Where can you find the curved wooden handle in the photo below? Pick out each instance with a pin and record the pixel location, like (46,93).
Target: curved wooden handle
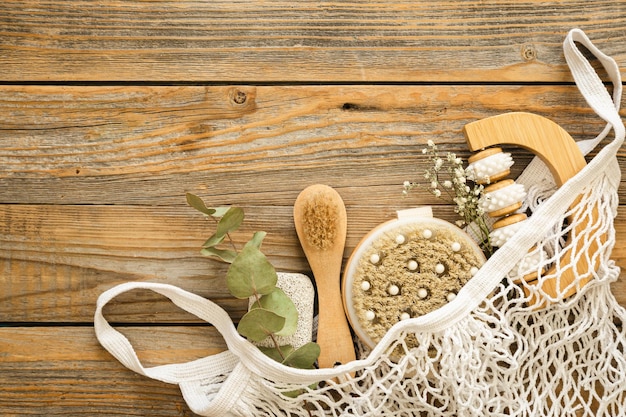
(558,150)
(542,136)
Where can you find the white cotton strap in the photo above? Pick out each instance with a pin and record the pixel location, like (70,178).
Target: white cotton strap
(594,92)
(240,351)
(120,347)
(592,87)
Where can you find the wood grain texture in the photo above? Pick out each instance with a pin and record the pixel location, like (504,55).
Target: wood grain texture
(49,371)
(111,110)
(148,145)
(93,178)
(311,41)
(55,270)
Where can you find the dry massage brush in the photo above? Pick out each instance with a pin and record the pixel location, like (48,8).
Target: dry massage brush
(559,152)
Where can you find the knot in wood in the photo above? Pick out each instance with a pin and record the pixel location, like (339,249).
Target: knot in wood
(529,52)
(238,97)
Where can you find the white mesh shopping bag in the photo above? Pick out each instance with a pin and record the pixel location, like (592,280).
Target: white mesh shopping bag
(489,352)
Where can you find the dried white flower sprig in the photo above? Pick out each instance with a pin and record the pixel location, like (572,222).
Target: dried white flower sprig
(448,179)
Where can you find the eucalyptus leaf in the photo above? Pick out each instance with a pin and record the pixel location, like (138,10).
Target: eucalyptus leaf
(278,302)
(214,240)
(304,357)
(225,255)
(197,203)
(273,353)
(298,392)
(294,394)
(220,211)
(230,221)
(259,323)
(250,273)
(257,239)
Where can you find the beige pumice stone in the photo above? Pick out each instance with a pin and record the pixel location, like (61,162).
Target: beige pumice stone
(300,289)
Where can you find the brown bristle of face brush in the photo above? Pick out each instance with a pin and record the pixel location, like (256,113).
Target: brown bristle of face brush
(320,220)
(319,231)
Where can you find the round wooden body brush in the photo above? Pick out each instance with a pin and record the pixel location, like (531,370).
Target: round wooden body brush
(321,223)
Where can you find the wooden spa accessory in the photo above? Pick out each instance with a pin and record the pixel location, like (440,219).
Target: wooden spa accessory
(321,223)
(558,150)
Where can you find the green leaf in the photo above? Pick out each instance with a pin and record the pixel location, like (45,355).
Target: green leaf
(298,392)
(223,254)
(278,302)
(230,221)
(220,211)
(304,357)
(214,240)
(273,353)
(197,203)
(250,273)
(259,323)
(257,239)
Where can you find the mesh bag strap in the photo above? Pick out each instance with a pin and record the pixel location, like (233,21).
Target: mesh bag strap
(591,86)
(121,348)
(595,94)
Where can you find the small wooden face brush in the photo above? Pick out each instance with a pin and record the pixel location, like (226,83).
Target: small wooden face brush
(321,222)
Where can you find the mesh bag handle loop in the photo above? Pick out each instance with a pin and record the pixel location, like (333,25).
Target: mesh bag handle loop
(120,347)
(598,98)
(592,87)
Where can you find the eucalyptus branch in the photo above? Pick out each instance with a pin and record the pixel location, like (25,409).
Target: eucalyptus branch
(251,275)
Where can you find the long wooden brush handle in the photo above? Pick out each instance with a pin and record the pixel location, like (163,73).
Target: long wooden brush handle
(333,334)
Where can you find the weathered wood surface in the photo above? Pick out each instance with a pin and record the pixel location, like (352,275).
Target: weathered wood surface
(64,371)
(73,173)
(257,41)
(111,111)
(148,145)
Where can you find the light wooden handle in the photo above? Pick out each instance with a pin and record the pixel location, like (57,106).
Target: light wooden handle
(319,213)
(540,135)
(333,336)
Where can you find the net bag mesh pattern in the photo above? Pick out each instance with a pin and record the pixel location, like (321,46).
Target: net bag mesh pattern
(490,351)
(505,358)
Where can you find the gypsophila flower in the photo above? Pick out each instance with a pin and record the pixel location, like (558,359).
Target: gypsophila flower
(449,179)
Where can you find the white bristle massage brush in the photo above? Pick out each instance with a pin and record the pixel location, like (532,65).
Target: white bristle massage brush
(489,165)
(560,153)
(502,198)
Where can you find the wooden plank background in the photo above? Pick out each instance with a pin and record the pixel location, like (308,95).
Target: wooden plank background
(110,111)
